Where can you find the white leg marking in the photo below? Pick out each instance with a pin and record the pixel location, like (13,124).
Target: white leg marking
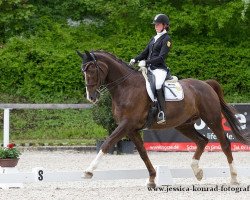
(233,172)
(93,165)
(95,162)
(197,171)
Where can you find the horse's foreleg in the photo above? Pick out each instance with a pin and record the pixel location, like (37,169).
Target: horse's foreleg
(116,135)
(93,165)
(136,138)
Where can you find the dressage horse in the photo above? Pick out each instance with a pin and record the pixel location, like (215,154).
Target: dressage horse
(131,104)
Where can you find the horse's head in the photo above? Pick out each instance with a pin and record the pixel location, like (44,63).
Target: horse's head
(95,73)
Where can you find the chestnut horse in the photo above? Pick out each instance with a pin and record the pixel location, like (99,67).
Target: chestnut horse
(131,104)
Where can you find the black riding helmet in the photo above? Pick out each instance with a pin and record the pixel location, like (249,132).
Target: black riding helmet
(161,18)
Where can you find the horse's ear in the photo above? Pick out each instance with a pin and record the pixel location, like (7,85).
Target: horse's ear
(79,53)
(89,57)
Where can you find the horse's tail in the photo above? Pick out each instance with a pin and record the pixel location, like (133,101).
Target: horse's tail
(229,113)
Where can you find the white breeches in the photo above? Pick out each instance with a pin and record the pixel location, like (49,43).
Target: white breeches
(160,76)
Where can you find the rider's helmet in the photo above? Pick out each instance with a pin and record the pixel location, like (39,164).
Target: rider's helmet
(161,18)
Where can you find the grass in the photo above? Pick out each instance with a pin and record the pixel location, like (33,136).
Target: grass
(57,127)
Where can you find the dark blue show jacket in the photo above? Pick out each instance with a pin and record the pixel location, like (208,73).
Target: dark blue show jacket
(155,53)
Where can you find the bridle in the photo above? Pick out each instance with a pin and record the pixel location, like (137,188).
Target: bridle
(98,68)
(102,86)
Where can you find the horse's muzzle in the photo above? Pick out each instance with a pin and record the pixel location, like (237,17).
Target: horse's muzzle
(94,97)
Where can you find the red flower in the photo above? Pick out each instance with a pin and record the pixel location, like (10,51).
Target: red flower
(11,145)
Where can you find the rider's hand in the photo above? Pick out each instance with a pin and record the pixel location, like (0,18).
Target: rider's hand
(142,63)
(132,62)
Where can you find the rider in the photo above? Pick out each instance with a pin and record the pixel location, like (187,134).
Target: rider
(153,57)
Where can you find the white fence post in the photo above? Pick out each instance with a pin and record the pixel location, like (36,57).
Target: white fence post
(6,127)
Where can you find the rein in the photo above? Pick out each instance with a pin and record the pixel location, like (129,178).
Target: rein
(116,82)
(103,87)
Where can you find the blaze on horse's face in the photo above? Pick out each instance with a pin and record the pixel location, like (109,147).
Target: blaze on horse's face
(90,73)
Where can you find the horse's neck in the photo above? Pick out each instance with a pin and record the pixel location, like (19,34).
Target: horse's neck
(119,78)
(116,70)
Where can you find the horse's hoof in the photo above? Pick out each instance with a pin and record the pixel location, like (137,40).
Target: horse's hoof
(234,182)
(87,175)
(150,184)
(199,174)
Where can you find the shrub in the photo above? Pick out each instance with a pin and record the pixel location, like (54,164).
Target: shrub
(102,113)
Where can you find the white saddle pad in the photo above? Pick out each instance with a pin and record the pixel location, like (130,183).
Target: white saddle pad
(173,91)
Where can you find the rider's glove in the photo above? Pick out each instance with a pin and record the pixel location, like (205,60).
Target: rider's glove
(132,62)
(142,63)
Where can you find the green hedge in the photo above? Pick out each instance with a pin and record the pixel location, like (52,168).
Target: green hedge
(229,66)
(39,63)
(40,71)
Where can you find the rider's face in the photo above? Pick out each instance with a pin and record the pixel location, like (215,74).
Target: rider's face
(159,27)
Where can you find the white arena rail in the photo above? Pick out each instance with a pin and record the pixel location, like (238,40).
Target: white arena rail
(11,177)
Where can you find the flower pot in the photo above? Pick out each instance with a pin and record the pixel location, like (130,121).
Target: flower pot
(8,162)
(125,146)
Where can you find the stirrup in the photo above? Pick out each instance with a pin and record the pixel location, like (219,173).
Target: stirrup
(161,118)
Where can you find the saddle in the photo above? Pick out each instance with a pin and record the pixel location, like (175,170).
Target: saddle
(172,91)
(171,87)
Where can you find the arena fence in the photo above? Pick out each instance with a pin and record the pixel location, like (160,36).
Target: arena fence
(8,107)
(12,178)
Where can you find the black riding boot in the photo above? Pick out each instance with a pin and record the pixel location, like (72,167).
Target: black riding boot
(161,101)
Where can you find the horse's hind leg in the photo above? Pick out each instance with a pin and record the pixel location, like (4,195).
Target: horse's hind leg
(217,129)
(211,115)
(201,141)
(136,138)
